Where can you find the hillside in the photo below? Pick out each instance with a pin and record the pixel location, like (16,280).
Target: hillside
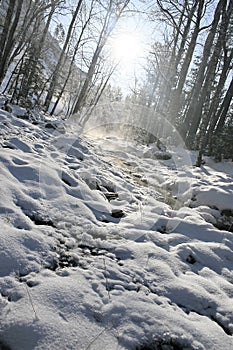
(41,61)
(107,244)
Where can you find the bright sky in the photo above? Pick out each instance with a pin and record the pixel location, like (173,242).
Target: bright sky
(129,46)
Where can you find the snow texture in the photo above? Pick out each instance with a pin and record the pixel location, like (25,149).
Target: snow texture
(105,246)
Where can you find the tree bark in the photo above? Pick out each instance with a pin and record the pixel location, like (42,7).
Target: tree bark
(222,114)
(107,28)
(71,64)
(177,94)
(8,41)
(35,53)
(62,55)
(194,110)
(212,115)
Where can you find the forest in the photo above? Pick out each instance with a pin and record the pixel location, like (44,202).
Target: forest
(55,53)
(116,175)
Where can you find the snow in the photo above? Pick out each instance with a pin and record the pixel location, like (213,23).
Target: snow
(105,246)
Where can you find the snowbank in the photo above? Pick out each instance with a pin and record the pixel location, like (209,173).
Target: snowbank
(104,248)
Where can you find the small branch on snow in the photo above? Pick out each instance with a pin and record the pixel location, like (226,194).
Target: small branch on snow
(106,278)
(31,302)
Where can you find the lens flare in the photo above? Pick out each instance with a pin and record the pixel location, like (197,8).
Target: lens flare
(126,47)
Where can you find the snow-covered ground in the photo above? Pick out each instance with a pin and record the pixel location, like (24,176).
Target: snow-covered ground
(104,246)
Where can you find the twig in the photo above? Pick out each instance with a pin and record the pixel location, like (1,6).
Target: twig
(141,210)
(97,336)
(31,302)
(106,278)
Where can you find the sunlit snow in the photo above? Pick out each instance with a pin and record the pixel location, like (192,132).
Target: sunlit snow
(105,246)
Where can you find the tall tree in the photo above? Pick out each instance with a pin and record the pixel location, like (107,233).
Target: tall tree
(54,79)
(8,34)
(213,116)
(176,97)
(222,113)
(34,53)
(114,10)
(73,57)
(195,108)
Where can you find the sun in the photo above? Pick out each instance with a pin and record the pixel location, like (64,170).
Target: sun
(126,47)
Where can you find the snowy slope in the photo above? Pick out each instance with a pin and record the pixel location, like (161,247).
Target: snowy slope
(103,246)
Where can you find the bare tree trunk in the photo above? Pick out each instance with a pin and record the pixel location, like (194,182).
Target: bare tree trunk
(103,85)
(187,27)
(177,94)
(222,114)
(62,55)
(108,26)
(194,107)
(212,115)
(8,40)
(37,43)
(6,25)
(181,34)
(206,91)
(71,65)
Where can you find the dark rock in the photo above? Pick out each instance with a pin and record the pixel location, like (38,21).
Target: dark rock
(191,259)
(4,346)
(162,155)
(39,220)
(227,212)
(50,126)
(110,195)
(58,127)
(117,213)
